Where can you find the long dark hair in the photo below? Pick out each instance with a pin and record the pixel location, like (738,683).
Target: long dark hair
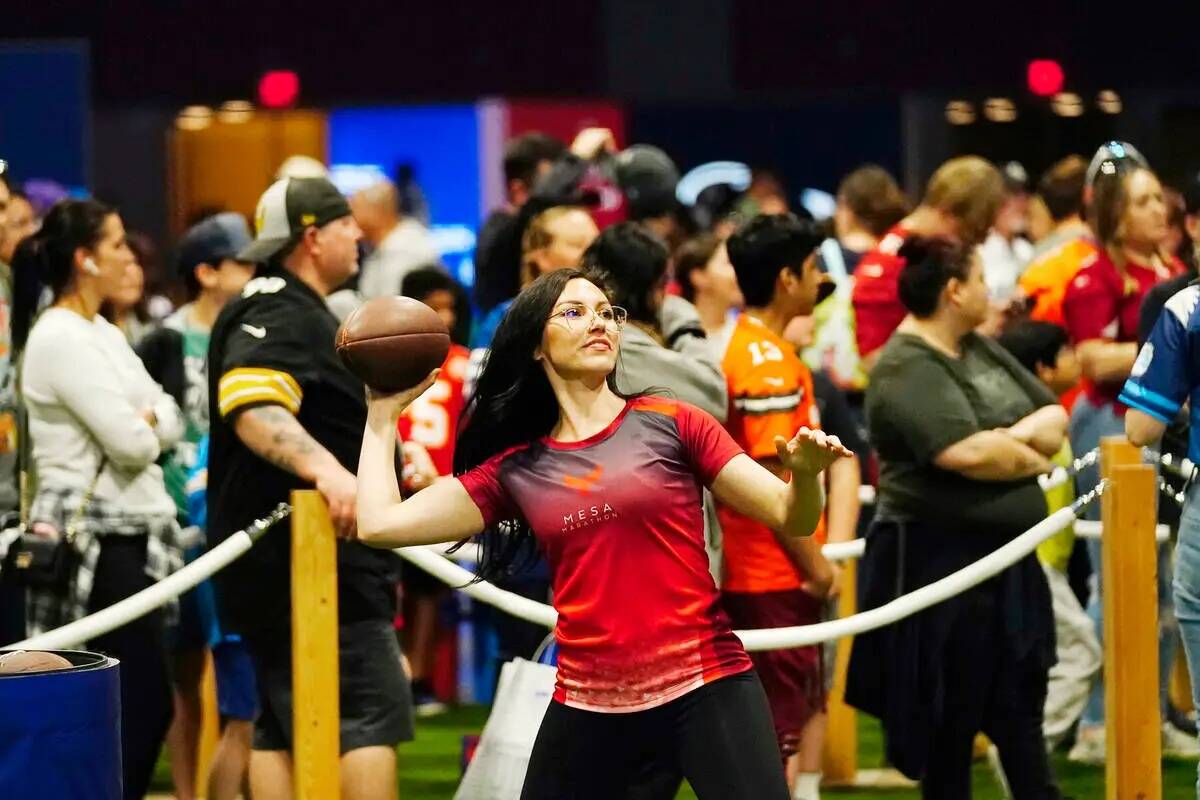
(513,404)
(46,260)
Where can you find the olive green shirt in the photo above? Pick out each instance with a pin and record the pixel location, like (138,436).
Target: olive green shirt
(919,402)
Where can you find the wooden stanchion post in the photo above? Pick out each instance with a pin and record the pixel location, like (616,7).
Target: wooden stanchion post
(315,751)
(1130,566)
(1181,683)
(840,759)
(210,726)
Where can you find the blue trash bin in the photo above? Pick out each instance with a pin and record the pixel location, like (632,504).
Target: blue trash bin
(60,731)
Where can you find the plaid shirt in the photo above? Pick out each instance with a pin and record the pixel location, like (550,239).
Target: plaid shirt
(45,611)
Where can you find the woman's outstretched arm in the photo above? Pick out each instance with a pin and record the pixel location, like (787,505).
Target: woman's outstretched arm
(792,507)
(442,512)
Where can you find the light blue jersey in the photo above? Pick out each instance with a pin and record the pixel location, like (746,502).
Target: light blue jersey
(1167,371)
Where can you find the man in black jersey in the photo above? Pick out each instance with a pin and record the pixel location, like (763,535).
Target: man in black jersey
(286,415)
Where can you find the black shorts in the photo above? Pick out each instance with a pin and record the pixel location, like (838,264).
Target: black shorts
(719,737)
(375,698)
(793,677)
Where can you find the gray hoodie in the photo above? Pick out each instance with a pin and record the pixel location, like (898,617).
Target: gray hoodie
(688,370)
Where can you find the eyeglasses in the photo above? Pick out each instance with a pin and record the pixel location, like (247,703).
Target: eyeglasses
(578,318)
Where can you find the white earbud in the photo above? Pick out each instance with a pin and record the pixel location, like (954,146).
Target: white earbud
(89,266)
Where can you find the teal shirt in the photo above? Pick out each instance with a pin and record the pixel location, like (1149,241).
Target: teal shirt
(181,460)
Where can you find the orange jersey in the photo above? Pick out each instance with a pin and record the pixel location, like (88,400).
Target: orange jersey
(432,419)
(770,394)
(1046,279)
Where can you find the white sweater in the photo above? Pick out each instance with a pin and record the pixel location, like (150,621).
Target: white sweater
(86,392)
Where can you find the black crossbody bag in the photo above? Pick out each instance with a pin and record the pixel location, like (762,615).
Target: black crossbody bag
(47,563)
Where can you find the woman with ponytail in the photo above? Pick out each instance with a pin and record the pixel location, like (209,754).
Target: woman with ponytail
(97,424)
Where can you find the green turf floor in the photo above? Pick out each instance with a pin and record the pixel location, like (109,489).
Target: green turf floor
(429,766)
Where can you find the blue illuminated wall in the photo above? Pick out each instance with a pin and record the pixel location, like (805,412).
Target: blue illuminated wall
(441,143)
(45,112)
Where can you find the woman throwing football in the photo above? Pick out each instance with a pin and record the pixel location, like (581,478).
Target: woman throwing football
(650,674)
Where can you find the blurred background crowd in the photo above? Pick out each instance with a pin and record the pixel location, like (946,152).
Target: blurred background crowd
(510,142)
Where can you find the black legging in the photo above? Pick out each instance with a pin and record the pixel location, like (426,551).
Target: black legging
(719,737)
(146,703)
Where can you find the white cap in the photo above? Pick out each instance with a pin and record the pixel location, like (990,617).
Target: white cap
(301,167)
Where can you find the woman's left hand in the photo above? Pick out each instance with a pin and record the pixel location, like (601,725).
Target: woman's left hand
(809,451)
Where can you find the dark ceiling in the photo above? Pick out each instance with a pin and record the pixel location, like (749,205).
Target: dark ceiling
(174,51)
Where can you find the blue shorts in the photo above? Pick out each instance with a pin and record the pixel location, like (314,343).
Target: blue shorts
(237,691)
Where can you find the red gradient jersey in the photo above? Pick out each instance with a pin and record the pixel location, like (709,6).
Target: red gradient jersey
(1101,303)
(432,419)
(618,516)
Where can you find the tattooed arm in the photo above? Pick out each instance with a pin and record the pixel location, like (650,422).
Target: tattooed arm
(275,435)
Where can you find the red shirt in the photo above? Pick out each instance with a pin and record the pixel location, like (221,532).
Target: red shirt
(770,394)
(618,517)
(1099,305)
(432,419)
(876,295)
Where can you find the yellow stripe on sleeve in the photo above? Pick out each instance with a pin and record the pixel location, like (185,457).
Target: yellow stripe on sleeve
(254,385)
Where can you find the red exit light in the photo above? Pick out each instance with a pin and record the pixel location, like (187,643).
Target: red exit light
(278,89)
(1045,77)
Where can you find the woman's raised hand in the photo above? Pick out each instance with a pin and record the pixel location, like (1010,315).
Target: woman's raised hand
(810,451)
(395,404)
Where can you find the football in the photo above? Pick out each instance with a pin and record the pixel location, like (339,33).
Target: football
(31,661)
(392,343)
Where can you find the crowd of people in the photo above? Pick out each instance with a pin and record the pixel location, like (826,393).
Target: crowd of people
(652,424)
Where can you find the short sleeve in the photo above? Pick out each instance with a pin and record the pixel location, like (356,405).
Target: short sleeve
(707,445)
(923,406)
(487,492)
(1160,380)
(1089,307)
(266,360)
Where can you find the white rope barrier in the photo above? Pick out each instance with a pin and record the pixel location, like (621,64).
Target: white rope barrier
(430,560)
(779,638)
(844,551)
(1093,529)
(160,593)
(834,551)
(918,600)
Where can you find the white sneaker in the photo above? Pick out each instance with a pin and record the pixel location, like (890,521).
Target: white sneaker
(430,708)
(1177,744)
(1090,748)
